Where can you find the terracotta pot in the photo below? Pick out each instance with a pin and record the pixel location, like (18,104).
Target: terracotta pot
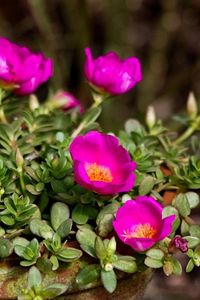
(13,279)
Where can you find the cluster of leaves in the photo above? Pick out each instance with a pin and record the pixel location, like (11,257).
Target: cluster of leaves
(48,221)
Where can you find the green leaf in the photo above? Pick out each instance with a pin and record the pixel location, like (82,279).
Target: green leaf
(155,254)
(53,290)
(69,254)
(34,277)
(44,265)
(20,241)
(31,189)
(146,185)
(169,211)
(193,199)
(80,214)
(183,205)
(184,228)
(192,241)
(127,266)
(111,247)
(100,248)
(88,274)
(64,228)
(59,213)
(58,186)
(55,262)
(190,266)
(86,236)
(177,268)
(108,209)
(41,228)
(153,263)
(109,280)
(8,220)
(6,247)
(105,225)
(195,231)
(89,250)
(27,263)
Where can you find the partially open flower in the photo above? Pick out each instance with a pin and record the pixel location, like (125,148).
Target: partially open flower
(22,70)
(65,100)
(139,223)
(111,75)
(101,164)
(178,243)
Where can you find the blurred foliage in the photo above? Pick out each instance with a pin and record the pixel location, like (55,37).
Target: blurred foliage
(164,34)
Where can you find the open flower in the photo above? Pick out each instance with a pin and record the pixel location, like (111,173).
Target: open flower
(101,164)
(65,100)
(139,223)
(111,75)
(21,70)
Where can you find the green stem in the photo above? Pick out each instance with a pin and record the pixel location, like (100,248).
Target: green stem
(22,184)
(78,129)
(98,100)
(194,126)
(166,186)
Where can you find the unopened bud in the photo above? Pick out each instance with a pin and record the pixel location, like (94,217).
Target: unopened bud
(33,102)
(192,106)
(178,244)
(108,267)
(150,116)
(19,159)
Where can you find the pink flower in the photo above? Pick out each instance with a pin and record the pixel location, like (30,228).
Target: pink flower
(109,74)
(66,101)
(101,164)
(22,70)
(139,223)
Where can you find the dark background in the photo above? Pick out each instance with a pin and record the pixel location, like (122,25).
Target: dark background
(164,34)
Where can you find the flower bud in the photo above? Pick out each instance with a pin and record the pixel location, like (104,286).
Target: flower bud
(33,102)
(178,243)
(19,159)
(150,116)
(64,100)
(108,267)
(192,106)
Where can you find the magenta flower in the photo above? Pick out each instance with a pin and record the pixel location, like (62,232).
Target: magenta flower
(139,223)
(21,70)
(101,164)
(111,75)
(66,101)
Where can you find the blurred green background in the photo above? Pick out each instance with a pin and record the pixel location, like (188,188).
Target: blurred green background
(163,34)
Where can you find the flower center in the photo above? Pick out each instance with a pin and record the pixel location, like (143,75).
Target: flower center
(98,173)
(140,231)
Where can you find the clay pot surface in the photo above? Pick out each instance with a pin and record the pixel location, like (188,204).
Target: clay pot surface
(13,279)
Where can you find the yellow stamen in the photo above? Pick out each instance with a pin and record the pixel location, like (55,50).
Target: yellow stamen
(98,173)
(140,231)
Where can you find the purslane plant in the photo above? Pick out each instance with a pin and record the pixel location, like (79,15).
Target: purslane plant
(68,191)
